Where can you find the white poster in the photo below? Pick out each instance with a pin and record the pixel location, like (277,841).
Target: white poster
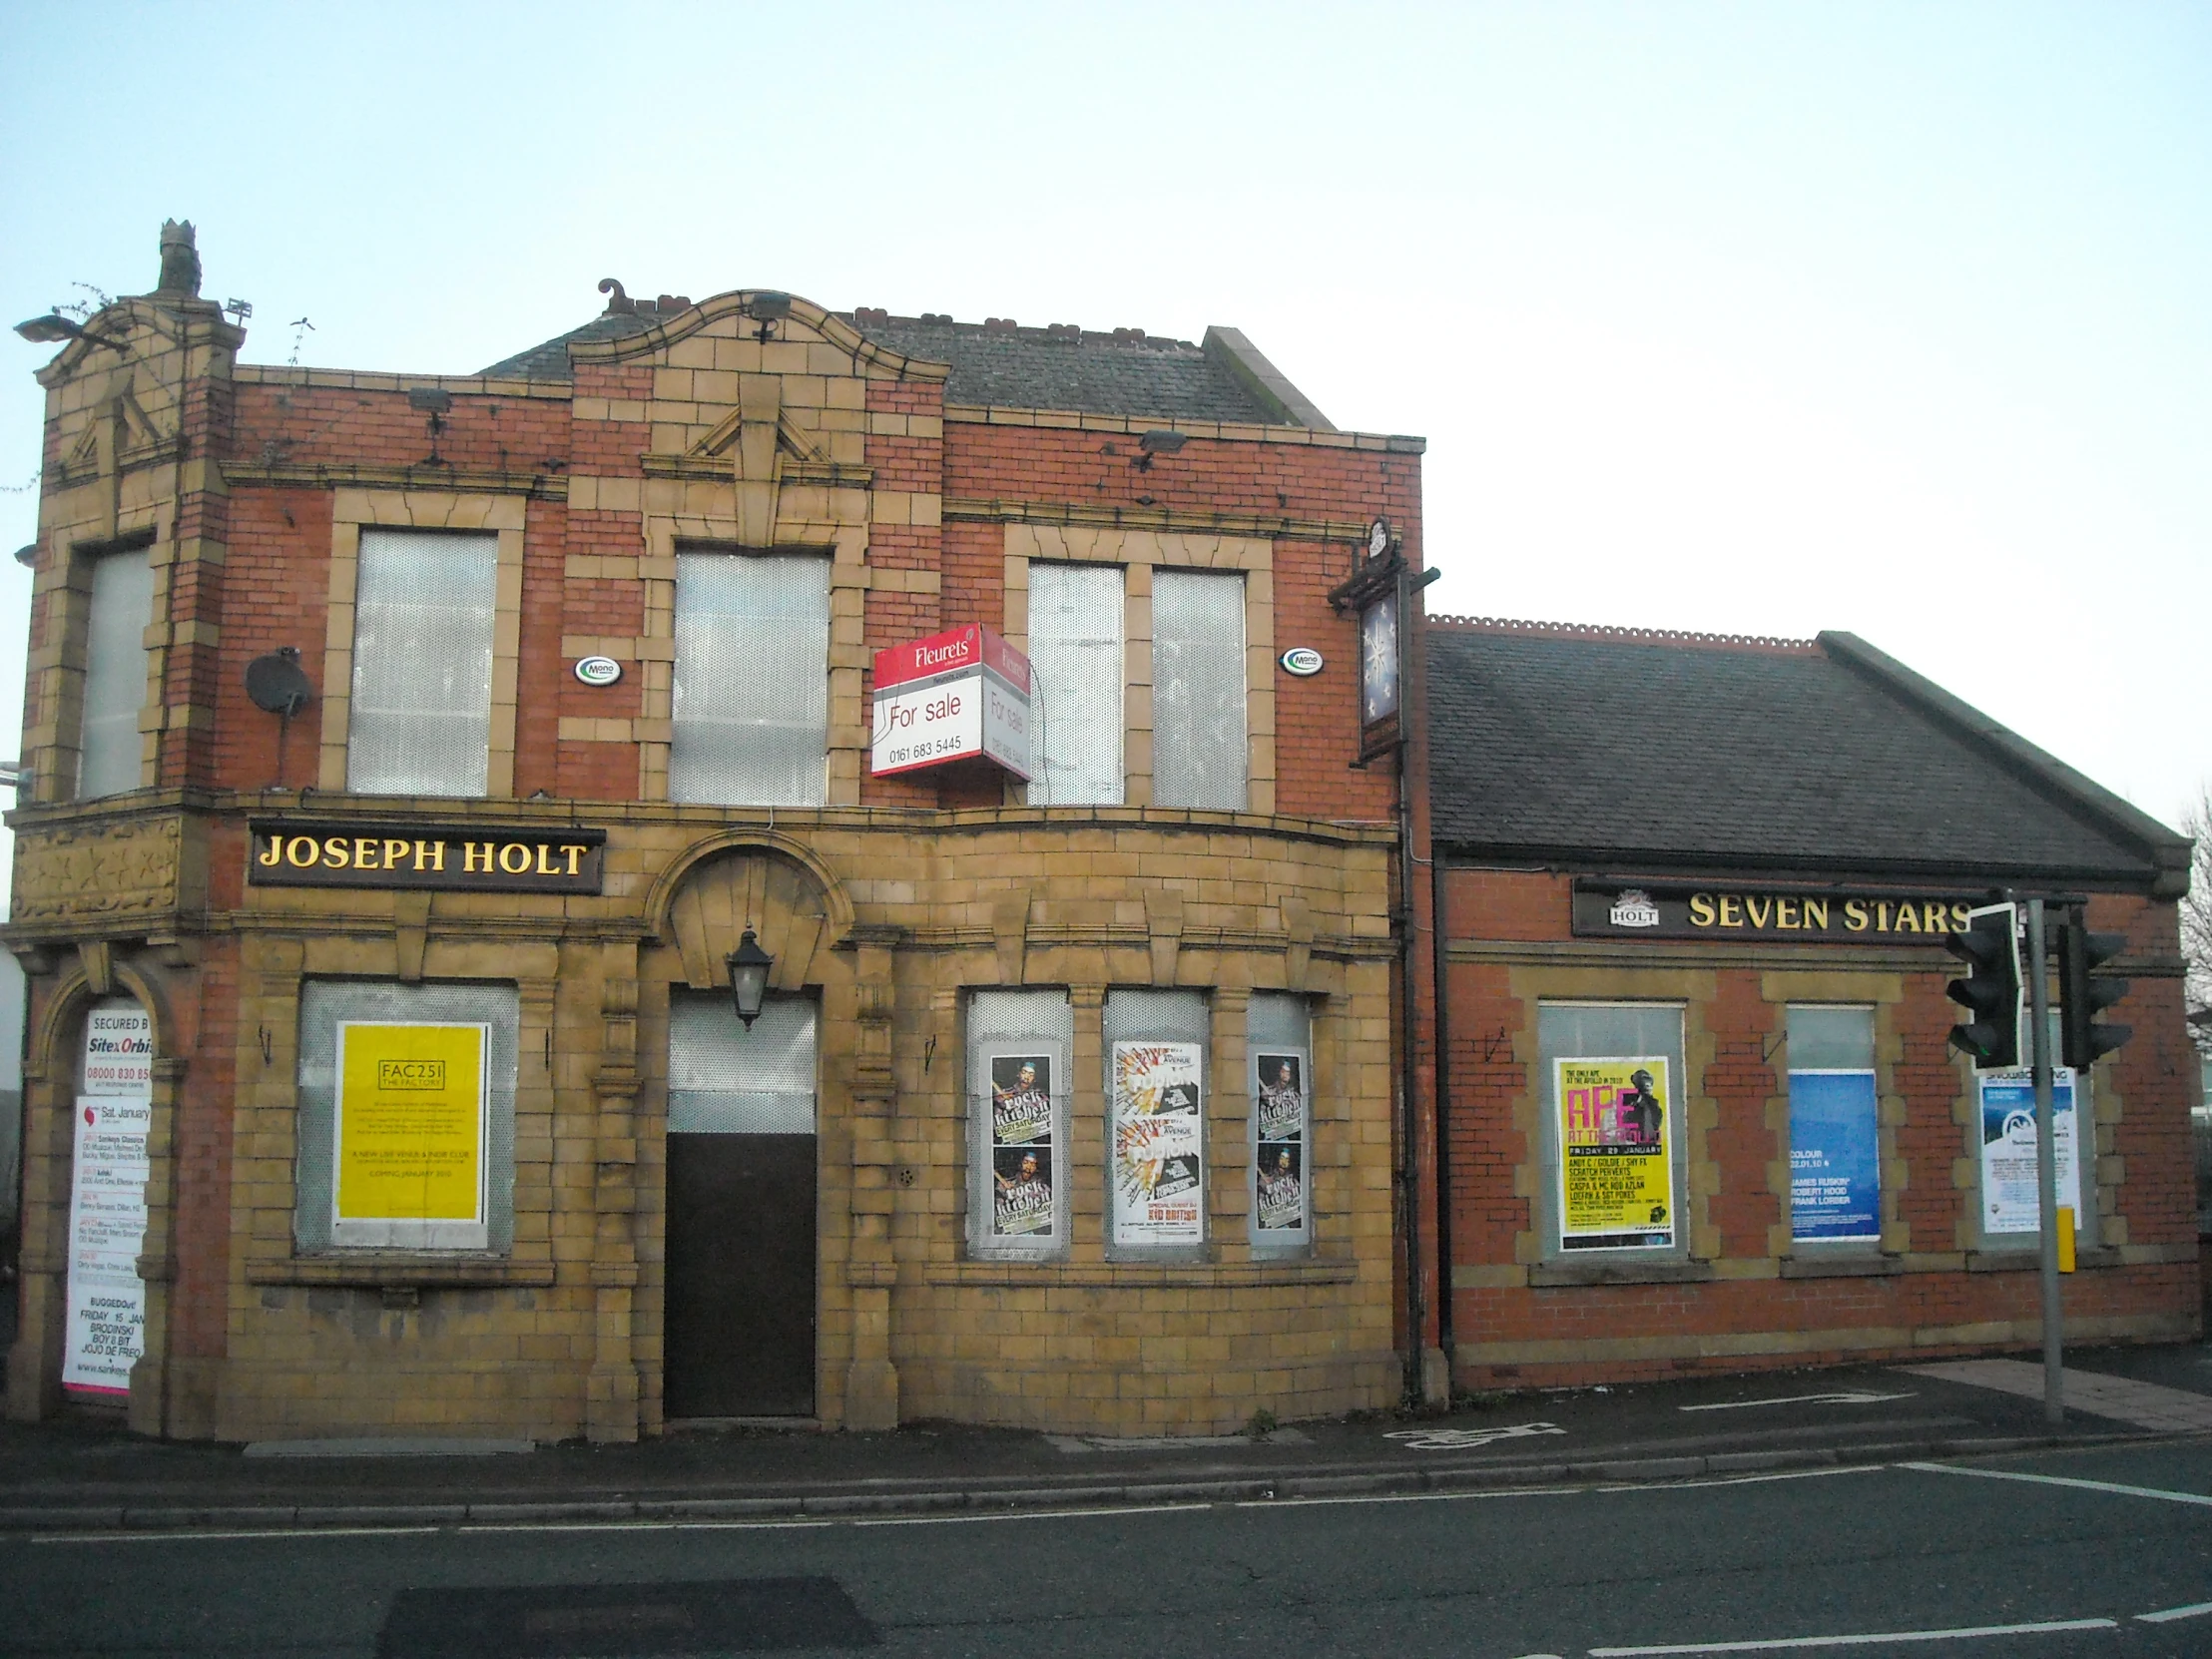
(106,1202)
(2009,1201)
(1159,1153)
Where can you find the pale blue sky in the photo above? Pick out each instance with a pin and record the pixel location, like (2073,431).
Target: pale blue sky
(1761,318)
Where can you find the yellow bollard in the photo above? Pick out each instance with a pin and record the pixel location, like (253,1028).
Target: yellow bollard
(2065,1238)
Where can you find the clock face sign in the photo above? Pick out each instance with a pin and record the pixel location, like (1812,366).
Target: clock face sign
(1378,538)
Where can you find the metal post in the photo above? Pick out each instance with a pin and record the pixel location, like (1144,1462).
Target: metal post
(2046,1165)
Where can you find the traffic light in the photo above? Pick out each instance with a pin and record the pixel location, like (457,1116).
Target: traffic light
(1991,993)
(2082,998)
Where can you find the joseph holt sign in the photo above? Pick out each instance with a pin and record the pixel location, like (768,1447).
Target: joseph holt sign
(954,695)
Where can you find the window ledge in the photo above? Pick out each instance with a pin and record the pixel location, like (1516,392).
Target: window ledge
(1562,1273)
(2029,1260)
(381,1269)
(1138,1274)
(1842,1265)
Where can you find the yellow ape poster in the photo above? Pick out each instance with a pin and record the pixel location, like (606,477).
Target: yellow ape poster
(410,1123)
(1616,1190)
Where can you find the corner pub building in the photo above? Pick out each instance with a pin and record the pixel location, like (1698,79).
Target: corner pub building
(473,926)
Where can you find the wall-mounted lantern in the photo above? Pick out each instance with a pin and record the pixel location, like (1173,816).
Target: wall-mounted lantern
(748,969)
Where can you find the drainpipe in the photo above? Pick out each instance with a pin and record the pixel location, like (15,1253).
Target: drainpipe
(1438,936)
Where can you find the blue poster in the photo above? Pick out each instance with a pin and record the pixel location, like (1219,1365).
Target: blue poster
(1834,1155)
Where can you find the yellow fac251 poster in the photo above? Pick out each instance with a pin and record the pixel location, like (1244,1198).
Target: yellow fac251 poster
(1616,1189)
(410,1123)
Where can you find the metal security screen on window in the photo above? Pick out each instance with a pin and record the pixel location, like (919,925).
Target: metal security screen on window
(325,1005)
(420,718)
(752,698)
(1018,1045)
(1279,1051)
(726,1080)
(1198,690)
(1075,655)
(1835,1125)
(1613,1105)
(110,760)
(1157,1056)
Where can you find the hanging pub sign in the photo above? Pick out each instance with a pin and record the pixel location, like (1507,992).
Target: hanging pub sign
(957,695)
(484,857)
(1376,593)
(1609,909)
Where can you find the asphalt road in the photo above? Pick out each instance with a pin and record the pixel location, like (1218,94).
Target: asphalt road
(1769,1561)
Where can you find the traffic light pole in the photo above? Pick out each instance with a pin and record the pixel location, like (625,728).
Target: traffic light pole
(2046,1165)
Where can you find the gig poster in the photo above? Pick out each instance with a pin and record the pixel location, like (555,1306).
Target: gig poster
(1279,1167)
(1021,1145)
(410,1123)
(1834,1155)
(1616,1183)
(2010,1198)
(1158,1128)
(105,1305)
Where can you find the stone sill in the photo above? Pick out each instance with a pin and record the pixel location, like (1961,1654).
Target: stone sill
(1842,1265)
(1556,1275)
(1141,1275)
(396,1270)
(2031,1261)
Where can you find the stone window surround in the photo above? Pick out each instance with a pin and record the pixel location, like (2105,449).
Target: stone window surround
(1138,552)
(51,748)
(354,510)
(846,546)
(273,1257)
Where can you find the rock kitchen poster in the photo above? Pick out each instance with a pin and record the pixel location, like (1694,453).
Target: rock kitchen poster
(1021,1145)
(1157,1156)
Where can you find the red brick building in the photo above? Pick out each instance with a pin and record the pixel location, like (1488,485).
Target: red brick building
(417,760)
(1728,865)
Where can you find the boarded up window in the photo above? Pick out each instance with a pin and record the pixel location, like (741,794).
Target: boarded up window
(751,698)
(420,718)
(111,759)
(1198,690)
(1075,655)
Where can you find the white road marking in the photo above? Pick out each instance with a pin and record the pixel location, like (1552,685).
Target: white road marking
(1405,1497)
(1459,1440)
(1738,1479)
(2167,1615)
(1031,1515)
(1856,1398)
(2065,1480)
(2145,1404)
(203,1537)
(1782,1644)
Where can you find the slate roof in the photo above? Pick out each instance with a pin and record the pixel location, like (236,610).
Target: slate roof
(1655,750)
(1117,373)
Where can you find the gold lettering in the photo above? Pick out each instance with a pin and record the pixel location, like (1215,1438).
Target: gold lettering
(337,853)
(1855,915)
(274,856)
(1760,908)
(1933,917)
(1909,918)
(471,853)
(1701,909)
(1958,918)
(366,856)
(574,853)
(1730,916)
(545,868)
(1785,912)
(433,851)
(292,851)
(522,869)
(1882,917)
(1816,914)
(393,853)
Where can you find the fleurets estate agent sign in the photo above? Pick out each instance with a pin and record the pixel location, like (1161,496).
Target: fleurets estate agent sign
(1611,908)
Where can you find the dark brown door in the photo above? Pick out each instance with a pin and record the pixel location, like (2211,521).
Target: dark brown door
(739,1330)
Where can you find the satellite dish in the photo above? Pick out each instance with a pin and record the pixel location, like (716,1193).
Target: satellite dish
(278,683)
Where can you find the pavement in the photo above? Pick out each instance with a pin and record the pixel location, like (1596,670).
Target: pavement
(79,1476)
